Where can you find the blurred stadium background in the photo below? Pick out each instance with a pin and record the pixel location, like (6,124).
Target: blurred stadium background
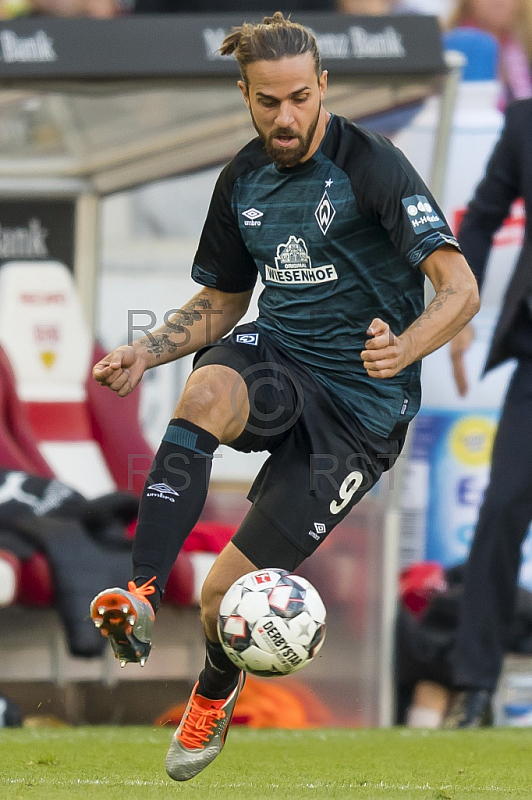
(112,133)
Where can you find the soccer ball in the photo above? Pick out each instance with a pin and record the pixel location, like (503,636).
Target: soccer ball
(271,622)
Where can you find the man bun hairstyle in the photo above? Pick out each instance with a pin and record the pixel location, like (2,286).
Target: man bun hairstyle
(270,40)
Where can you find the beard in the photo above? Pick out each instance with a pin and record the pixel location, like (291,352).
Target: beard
(288,157)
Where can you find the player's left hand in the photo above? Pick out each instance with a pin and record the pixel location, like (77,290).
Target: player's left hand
(385,353)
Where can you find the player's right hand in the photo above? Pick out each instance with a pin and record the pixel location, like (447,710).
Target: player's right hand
(459,345)
(121,370)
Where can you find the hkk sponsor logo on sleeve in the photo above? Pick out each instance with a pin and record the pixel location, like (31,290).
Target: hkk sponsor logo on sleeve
(421,214)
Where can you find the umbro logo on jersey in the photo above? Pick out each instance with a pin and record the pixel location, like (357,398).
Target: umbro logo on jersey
(325,213)
(163,491)
(252,217)
(421,214)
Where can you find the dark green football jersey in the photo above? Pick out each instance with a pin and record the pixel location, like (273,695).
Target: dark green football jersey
(337,241)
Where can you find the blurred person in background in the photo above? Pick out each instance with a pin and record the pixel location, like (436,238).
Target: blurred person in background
(375,8)
(225,6)
(437,8)
(490,583)
(510,21)
(370,7)
(98,9)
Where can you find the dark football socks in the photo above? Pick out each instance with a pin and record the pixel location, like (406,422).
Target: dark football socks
(172,501)
(219,676)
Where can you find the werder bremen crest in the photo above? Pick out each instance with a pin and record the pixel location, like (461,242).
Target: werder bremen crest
(293,265)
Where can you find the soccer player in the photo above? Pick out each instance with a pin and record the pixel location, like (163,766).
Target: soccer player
(342,232)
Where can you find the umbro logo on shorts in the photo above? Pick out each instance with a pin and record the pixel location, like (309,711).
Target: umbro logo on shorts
(247,338)
(320,530)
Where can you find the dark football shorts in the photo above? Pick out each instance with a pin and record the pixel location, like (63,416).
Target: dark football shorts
(322,462)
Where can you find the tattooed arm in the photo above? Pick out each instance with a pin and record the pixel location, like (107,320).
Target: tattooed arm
(454,304)
(208,316)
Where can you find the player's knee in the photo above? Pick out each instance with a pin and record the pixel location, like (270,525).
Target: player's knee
(213,399)
(199,398)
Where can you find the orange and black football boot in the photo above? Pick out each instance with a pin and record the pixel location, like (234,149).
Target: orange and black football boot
(126,617)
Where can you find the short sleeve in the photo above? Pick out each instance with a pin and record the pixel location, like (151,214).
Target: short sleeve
(396,195)
(222,260)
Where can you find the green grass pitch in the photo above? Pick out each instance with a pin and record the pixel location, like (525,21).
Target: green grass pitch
(118,763)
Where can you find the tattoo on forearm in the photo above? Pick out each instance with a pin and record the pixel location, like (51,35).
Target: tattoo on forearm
(159,343)
(436,304)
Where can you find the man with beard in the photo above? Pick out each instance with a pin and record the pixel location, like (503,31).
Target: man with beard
(342,232)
